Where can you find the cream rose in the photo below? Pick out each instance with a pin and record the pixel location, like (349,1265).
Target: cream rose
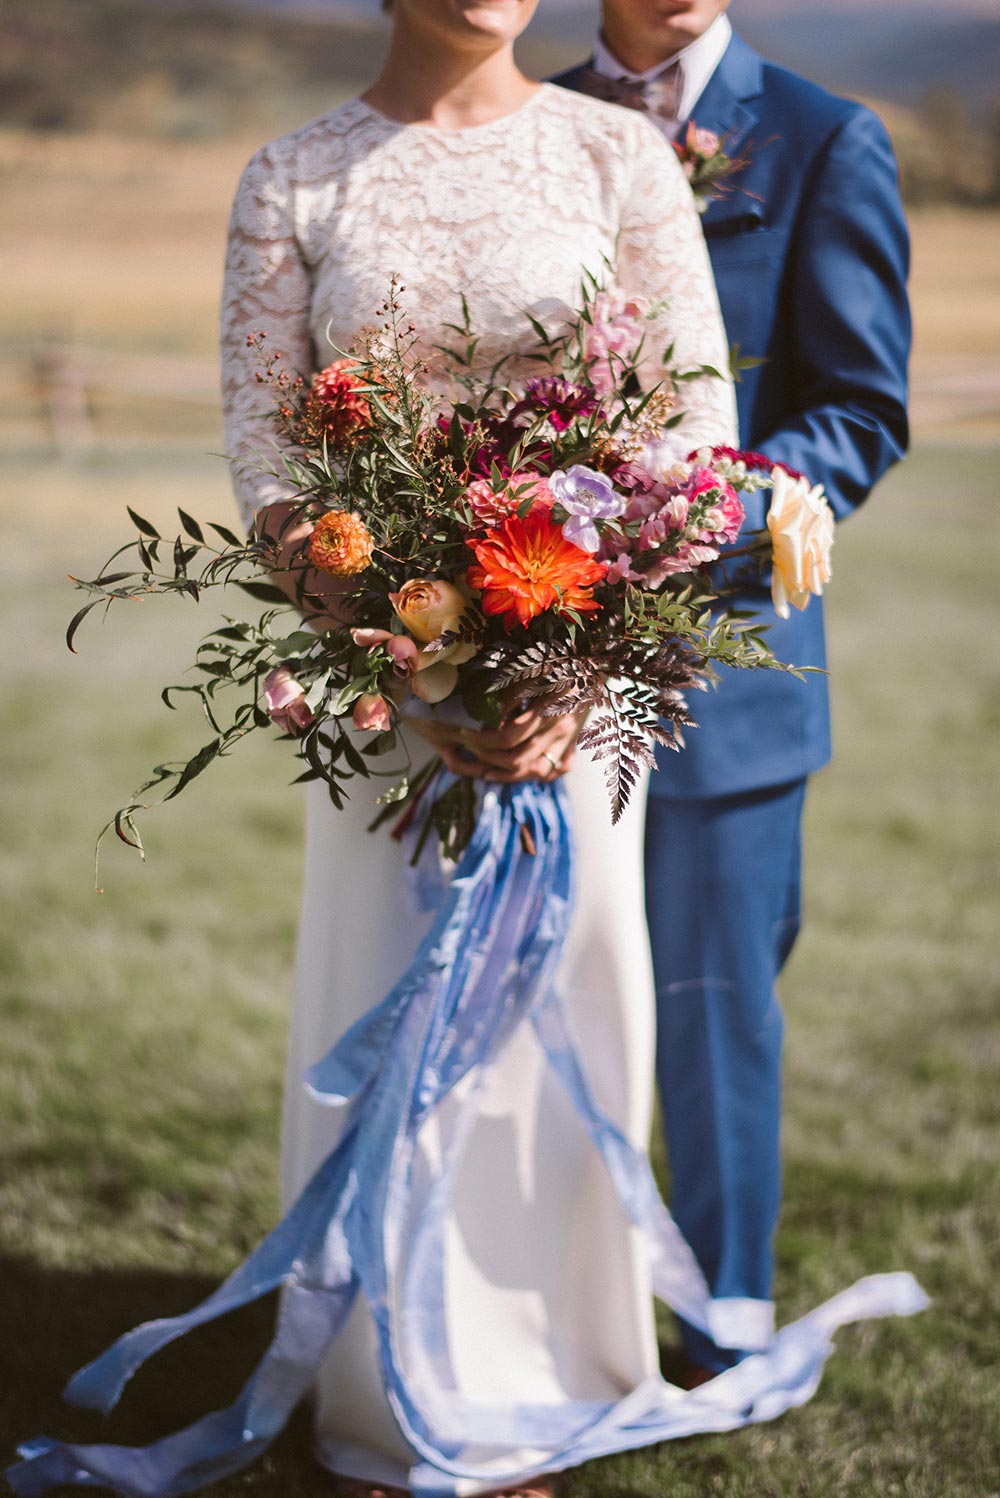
(800,522)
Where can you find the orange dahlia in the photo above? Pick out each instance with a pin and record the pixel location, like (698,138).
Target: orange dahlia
(526,566)
(340,544)
(336,405)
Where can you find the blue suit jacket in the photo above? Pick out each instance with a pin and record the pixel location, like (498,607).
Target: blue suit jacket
(810,252)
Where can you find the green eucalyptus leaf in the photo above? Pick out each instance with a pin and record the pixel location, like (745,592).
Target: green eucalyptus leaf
(264,592)
(195,766)
(191,525)
(77,620)
(230,537)
(317,692)
(140,524)
(299,642)
(341,700)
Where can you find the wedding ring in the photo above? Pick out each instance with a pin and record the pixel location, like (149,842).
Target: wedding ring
(553,762)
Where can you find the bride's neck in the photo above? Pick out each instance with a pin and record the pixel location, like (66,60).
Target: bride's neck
(423,82)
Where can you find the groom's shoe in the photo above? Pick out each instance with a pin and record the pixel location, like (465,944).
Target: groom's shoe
(682,1371)
(693,1375)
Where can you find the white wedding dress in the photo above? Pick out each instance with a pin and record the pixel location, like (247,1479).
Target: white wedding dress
(547,1293)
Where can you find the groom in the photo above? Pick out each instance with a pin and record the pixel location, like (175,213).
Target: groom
(809,248)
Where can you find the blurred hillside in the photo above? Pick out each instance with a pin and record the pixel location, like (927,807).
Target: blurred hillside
(902,52)
(174,69)
(187,71)
(899,51)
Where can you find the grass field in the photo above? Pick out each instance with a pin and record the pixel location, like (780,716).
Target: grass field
(143,1031)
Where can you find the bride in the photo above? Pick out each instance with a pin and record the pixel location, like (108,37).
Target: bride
(458,175)
(533,1333)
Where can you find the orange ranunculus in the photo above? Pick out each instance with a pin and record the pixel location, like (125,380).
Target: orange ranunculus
(527,566)
(337,405)
(340,544)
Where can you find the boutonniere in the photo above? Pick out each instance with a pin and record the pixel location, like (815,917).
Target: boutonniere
(706,163)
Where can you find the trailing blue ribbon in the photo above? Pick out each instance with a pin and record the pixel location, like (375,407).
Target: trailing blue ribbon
(487,964)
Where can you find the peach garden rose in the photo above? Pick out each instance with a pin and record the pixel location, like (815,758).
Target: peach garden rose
(430,608)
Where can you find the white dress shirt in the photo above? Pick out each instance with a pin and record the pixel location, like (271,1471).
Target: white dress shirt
(698,61)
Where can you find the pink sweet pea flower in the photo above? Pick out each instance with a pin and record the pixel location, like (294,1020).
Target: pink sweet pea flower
(612,337)
(671,516)
(685,560)
(285,701)
(620,570)
(371,713)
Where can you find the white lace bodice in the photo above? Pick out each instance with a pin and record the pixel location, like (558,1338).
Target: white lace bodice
(509,213)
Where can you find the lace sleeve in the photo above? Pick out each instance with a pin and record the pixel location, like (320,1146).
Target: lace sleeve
(662,254)
(267,288)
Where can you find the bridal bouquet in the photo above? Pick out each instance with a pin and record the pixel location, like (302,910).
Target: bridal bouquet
(545,545)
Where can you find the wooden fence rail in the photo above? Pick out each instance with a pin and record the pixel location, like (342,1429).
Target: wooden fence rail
(66,380)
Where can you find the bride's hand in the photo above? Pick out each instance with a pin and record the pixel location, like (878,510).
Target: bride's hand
(528,747)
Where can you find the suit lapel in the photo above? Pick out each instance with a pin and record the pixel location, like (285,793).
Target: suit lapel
(726,102)
(728,106)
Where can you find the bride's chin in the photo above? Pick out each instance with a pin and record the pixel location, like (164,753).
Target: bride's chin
(500,19)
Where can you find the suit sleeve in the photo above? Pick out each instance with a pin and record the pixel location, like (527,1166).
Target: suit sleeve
(850,319)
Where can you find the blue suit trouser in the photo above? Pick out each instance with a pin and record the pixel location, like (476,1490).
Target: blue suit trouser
(723,880)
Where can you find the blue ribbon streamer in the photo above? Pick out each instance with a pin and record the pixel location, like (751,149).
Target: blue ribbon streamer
(487,963)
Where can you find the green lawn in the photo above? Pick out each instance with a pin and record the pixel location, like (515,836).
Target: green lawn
(142,1049)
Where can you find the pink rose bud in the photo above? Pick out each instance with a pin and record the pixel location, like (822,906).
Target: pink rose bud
(371,713)
(401,648)
(284,701)
(369,638)
(705,142)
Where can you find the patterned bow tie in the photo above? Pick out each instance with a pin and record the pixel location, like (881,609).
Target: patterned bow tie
(660,95)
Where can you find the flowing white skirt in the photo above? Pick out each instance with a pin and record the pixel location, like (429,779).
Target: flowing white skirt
(547,1290)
